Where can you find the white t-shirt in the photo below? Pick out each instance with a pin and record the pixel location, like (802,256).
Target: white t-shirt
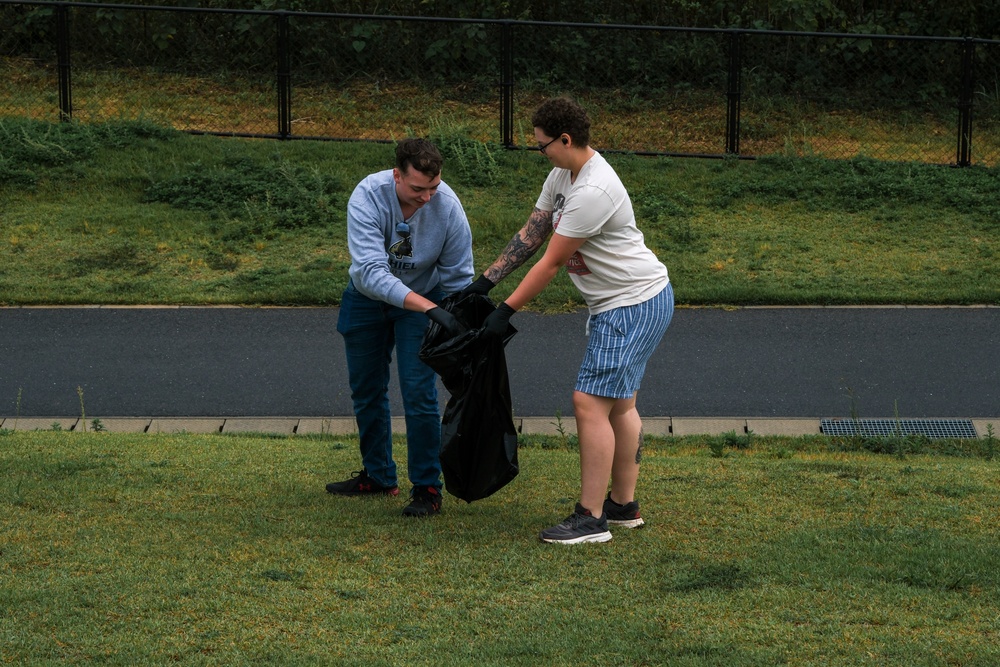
(613,268)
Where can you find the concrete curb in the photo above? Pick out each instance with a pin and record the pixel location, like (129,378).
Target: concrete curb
(287,426)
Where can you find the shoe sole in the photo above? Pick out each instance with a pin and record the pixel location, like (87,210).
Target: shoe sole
(627,523)
(386,492)
(583,539)
(421,515)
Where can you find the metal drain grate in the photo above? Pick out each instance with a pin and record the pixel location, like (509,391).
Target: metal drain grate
(932,428)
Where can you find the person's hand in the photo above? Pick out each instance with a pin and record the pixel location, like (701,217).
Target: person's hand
(482,285)
(496,322)
(447,321)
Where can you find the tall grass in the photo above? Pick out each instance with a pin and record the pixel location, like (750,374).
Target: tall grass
(143,549)
(129,212)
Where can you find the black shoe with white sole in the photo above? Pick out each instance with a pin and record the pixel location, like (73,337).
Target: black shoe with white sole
(578,528)
(625,516)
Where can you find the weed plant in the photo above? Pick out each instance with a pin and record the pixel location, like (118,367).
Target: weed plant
(127,212)
(470,161)
(191,550)
(991,443)
(718,445)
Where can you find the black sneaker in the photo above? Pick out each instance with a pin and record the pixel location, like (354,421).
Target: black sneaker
(626,516)
(579,527)
(360,484)
(424,501)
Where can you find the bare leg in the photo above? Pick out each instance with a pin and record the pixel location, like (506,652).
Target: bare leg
(627,426)
(597,448)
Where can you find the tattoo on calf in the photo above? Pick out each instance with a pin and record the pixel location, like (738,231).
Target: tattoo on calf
(638,451)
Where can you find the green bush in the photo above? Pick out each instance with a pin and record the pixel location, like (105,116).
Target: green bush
(29,147)
(255,196)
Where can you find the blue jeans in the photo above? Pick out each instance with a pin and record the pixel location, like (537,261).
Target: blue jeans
(371,329)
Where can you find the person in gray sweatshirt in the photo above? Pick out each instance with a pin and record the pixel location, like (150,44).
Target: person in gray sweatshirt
(410,246)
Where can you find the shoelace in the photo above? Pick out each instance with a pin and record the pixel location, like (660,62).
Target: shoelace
(427,496)
(576,519)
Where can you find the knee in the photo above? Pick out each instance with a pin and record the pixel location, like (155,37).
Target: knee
(581,402)
(420,398)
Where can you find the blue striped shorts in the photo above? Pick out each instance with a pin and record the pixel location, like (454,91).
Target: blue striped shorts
(621,342)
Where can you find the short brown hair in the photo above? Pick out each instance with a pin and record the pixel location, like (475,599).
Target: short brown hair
(561,115)
(420,154)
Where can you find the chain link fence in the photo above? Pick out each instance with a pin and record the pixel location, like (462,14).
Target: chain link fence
(878,98)
(650,89)
(382,78)
(647,90)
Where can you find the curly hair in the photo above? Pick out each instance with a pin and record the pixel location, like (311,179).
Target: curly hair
(420,154)
(561,115)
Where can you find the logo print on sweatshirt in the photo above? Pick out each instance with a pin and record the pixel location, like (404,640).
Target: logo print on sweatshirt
(403,247)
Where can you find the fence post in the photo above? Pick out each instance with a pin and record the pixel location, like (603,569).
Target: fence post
(733,94)
(63,63)
(284,79)
(507,84)
(965,97)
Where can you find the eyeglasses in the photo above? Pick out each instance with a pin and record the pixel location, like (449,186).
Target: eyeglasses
(542,147)
(403,247)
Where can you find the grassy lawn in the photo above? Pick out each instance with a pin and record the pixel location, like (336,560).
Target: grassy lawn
(132,213)
(156,549)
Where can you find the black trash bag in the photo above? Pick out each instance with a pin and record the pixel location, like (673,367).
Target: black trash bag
(478,438)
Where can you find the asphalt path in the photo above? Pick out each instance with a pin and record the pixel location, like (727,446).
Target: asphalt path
(912,362)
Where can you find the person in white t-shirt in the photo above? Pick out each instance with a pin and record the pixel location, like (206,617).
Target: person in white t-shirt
(586,210)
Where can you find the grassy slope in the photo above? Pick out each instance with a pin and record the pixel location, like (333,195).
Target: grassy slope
(129,213)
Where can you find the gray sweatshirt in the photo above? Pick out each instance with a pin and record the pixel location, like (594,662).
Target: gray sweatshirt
(440,237)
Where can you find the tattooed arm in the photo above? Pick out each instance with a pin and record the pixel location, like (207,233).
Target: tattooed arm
(523,245)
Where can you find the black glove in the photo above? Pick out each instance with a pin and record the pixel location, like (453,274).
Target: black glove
(496,322)
(482,285)
(447,321)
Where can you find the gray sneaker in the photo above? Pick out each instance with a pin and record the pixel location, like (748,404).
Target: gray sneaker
(626,516)
(579,527)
